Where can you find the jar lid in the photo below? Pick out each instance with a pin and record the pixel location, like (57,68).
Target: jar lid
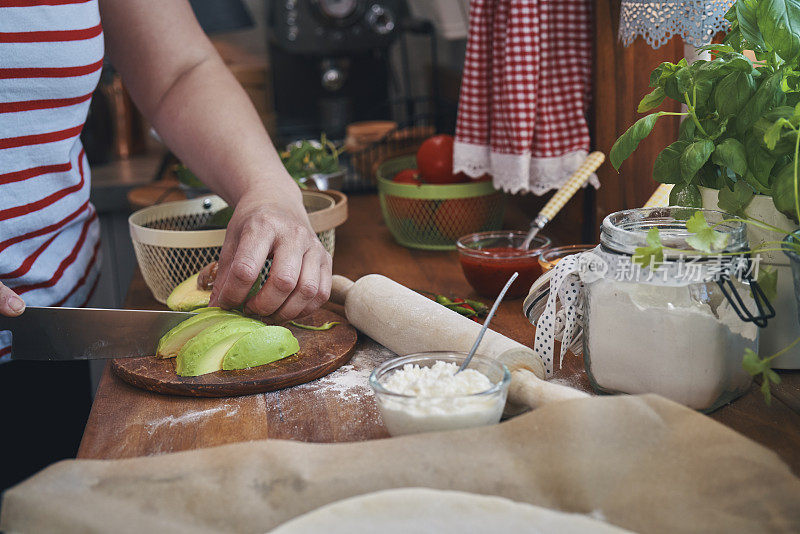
(624,231)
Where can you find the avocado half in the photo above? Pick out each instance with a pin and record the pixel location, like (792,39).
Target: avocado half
(187,296)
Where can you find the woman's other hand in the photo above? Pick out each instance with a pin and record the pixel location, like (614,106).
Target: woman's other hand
(11,304)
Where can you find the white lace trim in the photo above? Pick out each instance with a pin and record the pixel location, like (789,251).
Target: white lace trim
(696,21)
(518,173)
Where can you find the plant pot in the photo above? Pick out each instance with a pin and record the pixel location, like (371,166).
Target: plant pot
(785,326)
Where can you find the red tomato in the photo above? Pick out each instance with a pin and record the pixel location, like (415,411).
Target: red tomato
(407,176)
(435,160)
(461,216)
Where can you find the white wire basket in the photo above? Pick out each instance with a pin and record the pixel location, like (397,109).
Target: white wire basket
(170,247)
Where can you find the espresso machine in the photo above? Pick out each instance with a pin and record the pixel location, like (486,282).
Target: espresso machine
(330,63)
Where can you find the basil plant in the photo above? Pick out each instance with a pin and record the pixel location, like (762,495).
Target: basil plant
(741,131)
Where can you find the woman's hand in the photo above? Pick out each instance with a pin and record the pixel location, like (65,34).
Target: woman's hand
(299,279)
(11,304)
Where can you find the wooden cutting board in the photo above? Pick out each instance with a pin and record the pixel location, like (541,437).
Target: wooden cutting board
(320,354)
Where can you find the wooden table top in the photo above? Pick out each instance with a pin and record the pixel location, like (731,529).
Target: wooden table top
(127,422)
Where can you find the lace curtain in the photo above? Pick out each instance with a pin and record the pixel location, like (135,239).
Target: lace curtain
(656,21)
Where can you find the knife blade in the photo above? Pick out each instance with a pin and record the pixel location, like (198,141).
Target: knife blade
(42,333)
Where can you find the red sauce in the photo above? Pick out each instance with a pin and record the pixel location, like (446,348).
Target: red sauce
(488,273)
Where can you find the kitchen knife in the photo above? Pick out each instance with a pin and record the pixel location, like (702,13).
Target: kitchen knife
(87,333)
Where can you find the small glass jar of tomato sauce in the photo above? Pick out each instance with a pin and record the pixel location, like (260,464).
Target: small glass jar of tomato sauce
(488,260)
(551,257)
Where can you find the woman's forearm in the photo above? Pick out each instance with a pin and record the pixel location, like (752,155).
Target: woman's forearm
(180,83)
(210,124)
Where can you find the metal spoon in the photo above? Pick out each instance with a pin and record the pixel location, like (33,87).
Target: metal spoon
(486,322)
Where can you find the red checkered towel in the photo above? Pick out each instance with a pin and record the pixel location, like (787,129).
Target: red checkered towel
(525,93)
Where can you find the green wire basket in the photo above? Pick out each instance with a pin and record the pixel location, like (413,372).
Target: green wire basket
(433,217)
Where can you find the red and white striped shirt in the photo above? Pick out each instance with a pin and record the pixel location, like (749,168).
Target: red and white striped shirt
(51,54)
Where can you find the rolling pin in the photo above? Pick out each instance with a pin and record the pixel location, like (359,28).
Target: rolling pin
(406,322)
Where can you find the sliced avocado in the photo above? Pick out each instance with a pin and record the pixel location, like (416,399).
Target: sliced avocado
(187,296)
(263,346)
(204,352)
(203,310)
(172,341)
(211,360)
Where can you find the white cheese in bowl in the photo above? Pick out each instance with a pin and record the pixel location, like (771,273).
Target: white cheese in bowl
(438,399)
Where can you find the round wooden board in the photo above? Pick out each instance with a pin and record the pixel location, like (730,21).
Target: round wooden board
(320,353)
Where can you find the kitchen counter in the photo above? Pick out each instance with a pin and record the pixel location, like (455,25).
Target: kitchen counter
(127,422)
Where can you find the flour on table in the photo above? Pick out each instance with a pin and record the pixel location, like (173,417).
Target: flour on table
(350,382)
(191,417)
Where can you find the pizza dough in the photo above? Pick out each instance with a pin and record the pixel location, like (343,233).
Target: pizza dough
(405,510)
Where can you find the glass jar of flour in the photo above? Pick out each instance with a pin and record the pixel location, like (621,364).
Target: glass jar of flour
(677,327)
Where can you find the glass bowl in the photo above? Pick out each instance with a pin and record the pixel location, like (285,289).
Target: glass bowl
(411,414)
(551,257)
(488,259)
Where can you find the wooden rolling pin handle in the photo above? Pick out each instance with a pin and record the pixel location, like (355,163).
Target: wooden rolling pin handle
(529,390)
(340,287)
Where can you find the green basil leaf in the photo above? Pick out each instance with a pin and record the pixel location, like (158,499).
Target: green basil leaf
(740,63)
(714,127)
(717,49)
(734,36)
(733,92)
(784,192)
(666,168)
(773,134)
(660,73)
(710,175)
(694,156)
(686,195)
(671,88)
(747,17)
(683,78)
(686,129)
(779,22)
(652,100)
(627,142)
(767,96)
(731,154)
(736,200)
(759,161)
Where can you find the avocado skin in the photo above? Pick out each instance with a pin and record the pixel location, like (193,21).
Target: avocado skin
(263,346)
